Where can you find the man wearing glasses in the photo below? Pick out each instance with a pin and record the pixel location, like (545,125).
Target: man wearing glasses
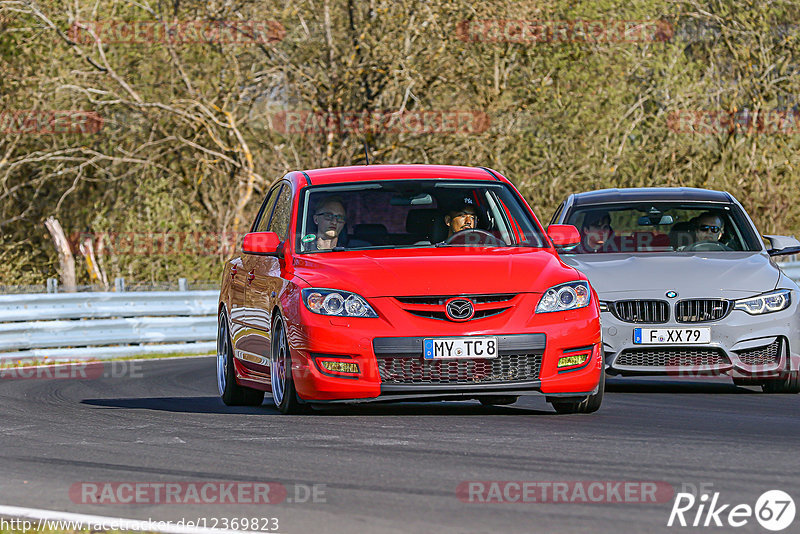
(330,218)
(709,228)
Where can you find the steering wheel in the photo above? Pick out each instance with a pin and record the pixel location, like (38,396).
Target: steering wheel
(474,237)
(707,246)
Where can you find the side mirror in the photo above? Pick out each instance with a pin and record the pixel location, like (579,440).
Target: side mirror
(782,245)
(262,244)
(564,236)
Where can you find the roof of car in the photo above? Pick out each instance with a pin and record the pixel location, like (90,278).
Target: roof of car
(359,173)
(650,194)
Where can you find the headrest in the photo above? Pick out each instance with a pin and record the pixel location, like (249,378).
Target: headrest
(370,232)
(420,221)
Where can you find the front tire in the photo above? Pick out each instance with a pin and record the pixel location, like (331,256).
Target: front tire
(787,383)
(284,394)
(232,394)
(590,404)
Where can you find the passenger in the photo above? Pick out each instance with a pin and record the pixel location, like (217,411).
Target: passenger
(596,233)
(329,218)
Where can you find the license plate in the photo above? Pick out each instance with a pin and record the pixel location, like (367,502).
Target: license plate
(668,336)
(459,347)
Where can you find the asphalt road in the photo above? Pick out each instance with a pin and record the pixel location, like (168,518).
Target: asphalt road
(391,468)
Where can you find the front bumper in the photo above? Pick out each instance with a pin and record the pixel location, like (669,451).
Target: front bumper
(392,367)
(741,346)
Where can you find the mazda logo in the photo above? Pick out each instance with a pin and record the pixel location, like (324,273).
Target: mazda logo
(459,309)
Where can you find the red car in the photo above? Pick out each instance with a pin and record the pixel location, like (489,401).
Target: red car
(405,282)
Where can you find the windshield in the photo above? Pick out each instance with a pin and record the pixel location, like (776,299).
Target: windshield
(412,214)
(662,227)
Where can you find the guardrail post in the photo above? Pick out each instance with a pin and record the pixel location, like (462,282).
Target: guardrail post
(119,284)
(52,285)
(182,285)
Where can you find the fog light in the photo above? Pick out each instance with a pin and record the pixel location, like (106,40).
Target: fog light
(339,367)
(572,359)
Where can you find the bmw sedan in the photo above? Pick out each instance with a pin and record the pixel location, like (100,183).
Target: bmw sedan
(405,282)
(687,286)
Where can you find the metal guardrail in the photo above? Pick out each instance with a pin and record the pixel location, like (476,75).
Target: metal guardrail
(100,325)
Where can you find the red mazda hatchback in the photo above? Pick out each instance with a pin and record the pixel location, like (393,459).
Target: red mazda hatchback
(405,282)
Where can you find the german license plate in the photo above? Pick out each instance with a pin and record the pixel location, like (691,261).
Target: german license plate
(671,336)
(459,347)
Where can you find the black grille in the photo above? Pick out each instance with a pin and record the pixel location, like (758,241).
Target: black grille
(505,368)
(433,314)
(677,357)
(433,307)
(641,311)
(701,310)
(766,355)
(439,301)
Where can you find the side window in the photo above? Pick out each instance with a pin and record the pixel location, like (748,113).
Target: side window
(282,214)
(266,211)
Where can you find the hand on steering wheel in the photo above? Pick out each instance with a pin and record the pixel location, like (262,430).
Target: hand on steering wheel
(474,237)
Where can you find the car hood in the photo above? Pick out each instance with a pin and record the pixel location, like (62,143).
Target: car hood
(721,274)
(437,271)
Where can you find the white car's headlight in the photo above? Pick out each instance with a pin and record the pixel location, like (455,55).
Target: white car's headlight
(336,302)
(569,296)
(766,303)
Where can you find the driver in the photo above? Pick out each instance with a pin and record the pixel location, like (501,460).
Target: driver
(709,228)
(463,217)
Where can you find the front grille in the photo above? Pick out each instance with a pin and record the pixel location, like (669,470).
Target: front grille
(641,311)
(701,310)
(432,307)
(504,368)
(433,314)
(440,300)
(676,357)
(766,355)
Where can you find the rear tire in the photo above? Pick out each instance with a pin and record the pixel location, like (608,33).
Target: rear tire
(232,394)
(284,394)
(590,404)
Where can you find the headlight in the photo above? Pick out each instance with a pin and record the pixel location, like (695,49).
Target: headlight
(336,302)
(569,296)
(767,303)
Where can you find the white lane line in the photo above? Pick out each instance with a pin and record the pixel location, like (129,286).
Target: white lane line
(108,523)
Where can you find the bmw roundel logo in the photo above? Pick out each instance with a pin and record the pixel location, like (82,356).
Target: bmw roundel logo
(459,309)
(672,294)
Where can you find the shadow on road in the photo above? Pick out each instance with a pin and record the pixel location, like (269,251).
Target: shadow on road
(211,405)
(656,385)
